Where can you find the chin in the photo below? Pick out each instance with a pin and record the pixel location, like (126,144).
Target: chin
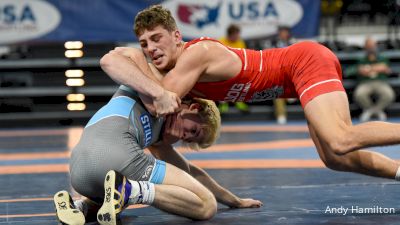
(160,67)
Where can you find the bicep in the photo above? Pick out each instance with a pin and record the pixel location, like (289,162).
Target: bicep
(187,71)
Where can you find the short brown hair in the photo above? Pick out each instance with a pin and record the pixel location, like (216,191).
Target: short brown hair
(152,17)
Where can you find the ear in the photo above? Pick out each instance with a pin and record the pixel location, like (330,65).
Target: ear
(177,36)
(195,106)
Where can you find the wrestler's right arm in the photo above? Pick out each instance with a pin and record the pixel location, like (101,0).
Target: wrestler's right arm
(125,71)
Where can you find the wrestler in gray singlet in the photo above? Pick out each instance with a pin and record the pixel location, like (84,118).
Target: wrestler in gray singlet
(114,139)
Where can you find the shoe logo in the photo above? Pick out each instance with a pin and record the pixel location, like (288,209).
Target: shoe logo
(62,205)
(104,217)
(108,194)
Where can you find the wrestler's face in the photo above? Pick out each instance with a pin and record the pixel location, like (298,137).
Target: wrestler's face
(161,46)
(185,125)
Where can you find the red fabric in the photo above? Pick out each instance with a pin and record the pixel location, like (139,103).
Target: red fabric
(306,68)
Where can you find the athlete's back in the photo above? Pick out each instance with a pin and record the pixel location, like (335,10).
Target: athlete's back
(114,139)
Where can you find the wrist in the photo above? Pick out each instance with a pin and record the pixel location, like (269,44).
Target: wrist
(236,203)
(158,93)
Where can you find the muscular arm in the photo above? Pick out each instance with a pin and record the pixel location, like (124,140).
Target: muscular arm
(168,154)
(125,71)
(381,68)
(129,67)
(191,65)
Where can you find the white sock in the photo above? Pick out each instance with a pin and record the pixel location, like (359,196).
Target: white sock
(143,192)
(81,205)
(397,177)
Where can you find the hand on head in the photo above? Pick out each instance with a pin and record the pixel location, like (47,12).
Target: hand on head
(169,102)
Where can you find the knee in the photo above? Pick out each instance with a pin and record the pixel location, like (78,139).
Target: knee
(209,208)
(360,92)
(390,95)
(339,145)
(342,142)
(336,163)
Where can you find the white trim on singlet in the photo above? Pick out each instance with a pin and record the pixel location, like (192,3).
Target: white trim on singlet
(261,61)
(245,59)
(316,84)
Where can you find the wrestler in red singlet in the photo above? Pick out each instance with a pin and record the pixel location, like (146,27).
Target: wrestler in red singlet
(304,70)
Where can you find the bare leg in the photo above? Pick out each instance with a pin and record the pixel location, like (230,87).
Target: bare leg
(183,195)
(361,161)
(337,139)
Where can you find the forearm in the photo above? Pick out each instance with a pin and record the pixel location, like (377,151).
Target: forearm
(124,71)
(381,68)
(222,195)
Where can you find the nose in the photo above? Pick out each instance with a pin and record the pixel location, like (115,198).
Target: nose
(151,47)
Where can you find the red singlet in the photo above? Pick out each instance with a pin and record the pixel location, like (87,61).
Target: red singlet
(303,70)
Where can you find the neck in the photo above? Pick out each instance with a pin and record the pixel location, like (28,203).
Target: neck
(181,48)
(179,51)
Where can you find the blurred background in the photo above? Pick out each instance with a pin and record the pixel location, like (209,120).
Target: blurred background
(50,51)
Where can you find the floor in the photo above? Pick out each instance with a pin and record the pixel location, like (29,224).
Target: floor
(275,164)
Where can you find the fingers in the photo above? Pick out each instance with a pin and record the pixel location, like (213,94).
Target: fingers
(251,203)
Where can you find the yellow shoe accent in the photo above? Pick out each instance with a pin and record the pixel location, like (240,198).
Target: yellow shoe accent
(66,212)
(113,203)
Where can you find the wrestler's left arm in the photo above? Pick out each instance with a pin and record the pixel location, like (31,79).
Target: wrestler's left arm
(193,62)
(168,154)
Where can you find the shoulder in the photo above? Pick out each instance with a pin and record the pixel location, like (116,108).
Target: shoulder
(200,49)
(205,46)
(242,44)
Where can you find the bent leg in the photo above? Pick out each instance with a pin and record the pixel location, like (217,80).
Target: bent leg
(337,139)
(362,95)
(183,195)
(329,115)
(386,95)
(361,161)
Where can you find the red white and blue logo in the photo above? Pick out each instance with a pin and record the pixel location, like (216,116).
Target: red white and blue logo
(257,18)
(198,15)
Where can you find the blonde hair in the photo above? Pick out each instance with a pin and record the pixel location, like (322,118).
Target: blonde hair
(211,118)
(152,17)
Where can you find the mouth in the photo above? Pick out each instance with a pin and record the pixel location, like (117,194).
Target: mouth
(157,59)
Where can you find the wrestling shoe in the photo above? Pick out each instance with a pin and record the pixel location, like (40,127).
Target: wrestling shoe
(116,195)
(66,212)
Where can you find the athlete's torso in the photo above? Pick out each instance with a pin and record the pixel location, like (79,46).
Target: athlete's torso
(262,77)
(126,103)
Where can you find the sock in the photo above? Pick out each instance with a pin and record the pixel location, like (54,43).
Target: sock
(88,208)
(397,177)
(81,205)
(143,192)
